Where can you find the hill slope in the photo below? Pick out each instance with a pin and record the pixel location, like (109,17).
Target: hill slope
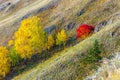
(65,65)
(67,14)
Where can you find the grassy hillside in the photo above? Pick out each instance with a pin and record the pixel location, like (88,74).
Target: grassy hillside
(8,7)
(55,15)
(61,14)
(65,65)
(79,11)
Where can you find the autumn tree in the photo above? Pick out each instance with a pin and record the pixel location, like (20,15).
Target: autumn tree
(83,31)
(61,37)
(4,62)
(30,37)
(50,42)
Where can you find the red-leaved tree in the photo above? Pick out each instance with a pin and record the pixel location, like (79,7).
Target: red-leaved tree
(83,31)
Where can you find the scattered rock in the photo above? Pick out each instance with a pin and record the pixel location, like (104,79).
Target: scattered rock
(70,26)
(100,25)
(50,29)
(26,16)
(9,8)
(104,23)
(3,6)
(41,9)
(80,13)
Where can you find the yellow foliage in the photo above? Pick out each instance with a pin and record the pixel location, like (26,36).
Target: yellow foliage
(11,42)
(50,41)
(30,38)
(4,62)
(61,37)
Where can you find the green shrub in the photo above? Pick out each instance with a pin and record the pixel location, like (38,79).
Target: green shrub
(14,57)
(94,53)
(90,61)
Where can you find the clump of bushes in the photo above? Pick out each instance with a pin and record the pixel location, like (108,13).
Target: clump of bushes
(26,42)
(84,31)
(31,39)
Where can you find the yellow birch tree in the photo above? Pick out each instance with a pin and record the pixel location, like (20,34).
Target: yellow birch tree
(4,62)
(30,37)
(61,37)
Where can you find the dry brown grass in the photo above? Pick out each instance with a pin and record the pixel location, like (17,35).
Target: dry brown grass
(99,11)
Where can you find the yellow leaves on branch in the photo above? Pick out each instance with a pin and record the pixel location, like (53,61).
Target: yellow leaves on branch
(50,42)
(61,37)
(10,43)
(30,38)
(4,61)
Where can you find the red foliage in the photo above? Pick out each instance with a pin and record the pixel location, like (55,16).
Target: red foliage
(84,30)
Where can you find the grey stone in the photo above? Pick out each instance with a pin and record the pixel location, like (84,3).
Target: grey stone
(50,29)
(70,26)
(80,13)
(100,25)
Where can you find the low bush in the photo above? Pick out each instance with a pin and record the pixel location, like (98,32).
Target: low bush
(93,54)
(90,61)
(61,37)
(83,31)
(14,57)
(50,42)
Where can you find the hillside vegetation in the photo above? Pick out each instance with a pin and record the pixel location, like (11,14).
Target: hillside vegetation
(62,14)
(57,39)
(65,65)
